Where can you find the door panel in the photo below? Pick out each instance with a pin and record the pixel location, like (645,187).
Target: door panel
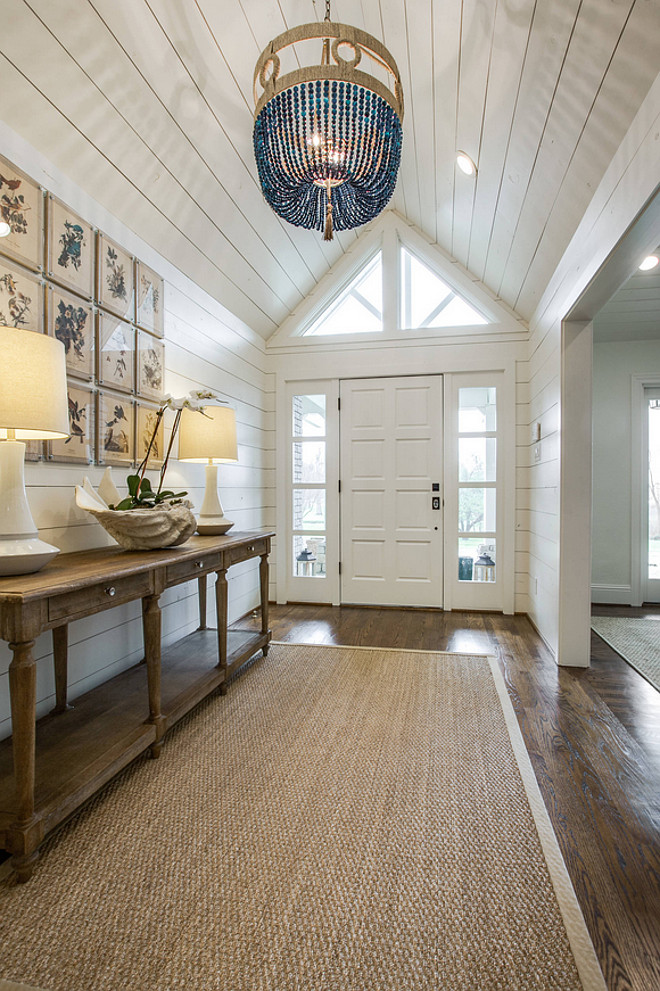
(391,453)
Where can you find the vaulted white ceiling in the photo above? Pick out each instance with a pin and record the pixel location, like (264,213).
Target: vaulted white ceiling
(147,105)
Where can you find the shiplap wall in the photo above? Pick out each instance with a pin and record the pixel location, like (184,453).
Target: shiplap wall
(626,189)
(206,347)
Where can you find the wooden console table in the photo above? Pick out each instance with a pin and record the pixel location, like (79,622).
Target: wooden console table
(48,768)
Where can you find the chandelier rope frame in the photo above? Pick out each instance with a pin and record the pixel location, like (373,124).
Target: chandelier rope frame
(351,167)
(343,69)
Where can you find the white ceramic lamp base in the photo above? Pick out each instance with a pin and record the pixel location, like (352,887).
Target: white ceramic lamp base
(21,550)
(212,520)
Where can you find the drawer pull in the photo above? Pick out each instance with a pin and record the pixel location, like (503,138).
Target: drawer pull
(251,548)
(199,564)
(111,590)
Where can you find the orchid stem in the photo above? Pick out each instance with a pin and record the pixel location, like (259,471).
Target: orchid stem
(175,427)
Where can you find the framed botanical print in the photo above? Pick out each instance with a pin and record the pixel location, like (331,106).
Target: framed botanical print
(150,366)
(71,321)
(79,446)
(116,429)
(146,423)
(115,278)
(149,299)
(21,297)
(116,353)
(22,207)
(70,249)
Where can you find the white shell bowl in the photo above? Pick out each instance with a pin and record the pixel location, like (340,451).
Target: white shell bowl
(147,529)
(139,529)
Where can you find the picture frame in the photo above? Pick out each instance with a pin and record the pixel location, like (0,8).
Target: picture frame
(78,448)
(115,278)
(115,353)
(73,322)
(21,297)
(145,421)
(115,429)
(70,249)
(22,207)
(149,293)
(34,450)
(150,366)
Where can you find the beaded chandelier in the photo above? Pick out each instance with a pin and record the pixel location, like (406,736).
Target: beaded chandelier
(327,137)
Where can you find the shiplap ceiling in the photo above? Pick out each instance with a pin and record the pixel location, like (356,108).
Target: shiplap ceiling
(147,105)
(633,313)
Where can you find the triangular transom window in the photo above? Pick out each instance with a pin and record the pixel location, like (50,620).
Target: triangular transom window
(359,308)
(427,301)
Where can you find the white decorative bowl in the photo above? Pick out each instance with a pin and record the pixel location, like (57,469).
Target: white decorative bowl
(139,529)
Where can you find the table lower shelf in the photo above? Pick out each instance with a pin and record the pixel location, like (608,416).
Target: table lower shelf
(81,749)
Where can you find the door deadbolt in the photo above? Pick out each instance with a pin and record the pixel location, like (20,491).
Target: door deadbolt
(435,502)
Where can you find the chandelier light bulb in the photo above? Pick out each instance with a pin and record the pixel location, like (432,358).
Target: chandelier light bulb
(649,262)
(5,229)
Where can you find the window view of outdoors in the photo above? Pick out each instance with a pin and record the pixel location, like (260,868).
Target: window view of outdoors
(426,301)
(654,489)
(309,477)
(359,309)
(477,466)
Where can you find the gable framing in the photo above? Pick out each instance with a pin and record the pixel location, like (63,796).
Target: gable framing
(387,234)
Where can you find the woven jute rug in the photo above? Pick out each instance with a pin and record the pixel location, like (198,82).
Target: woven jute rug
(636,640)
(344,819)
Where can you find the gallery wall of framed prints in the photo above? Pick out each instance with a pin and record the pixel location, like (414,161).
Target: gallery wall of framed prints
(61,276)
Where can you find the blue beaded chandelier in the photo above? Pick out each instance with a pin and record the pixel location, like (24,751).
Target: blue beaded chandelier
(327,137)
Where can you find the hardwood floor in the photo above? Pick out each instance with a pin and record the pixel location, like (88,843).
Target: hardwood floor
(594,740)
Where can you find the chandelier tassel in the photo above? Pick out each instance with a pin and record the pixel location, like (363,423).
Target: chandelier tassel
(327,233)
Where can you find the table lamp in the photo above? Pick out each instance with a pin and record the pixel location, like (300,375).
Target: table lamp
(33,406)
(209,437)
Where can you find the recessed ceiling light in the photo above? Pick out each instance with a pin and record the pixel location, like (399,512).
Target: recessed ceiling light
(465,163)
(5,229)
(649,262)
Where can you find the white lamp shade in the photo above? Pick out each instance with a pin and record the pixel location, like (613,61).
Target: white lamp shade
(33,395)
(208,435)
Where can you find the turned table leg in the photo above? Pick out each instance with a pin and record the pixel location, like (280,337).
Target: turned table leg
(221,617)
(60,664)
(25,834)
(151,626)
(201,587)
(263,581)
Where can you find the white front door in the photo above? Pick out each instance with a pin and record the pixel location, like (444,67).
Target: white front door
(391,491)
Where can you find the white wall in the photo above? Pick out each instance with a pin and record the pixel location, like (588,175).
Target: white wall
(560,615)
(615,517)
(206,347)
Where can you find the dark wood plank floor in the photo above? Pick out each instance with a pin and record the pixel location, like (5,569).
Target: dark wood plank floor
(594,740)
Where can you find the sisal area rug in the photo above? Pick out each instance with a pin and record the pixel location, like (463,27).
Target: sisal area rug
(637,640)
(344,819)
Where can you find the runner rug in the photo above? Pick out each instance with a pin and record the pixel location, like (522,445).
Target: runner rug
(344,819)
(637,640)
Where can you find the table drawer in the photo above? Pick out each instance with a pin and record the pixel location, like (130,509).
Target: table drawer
(254,548)
(108,593)
(193,568)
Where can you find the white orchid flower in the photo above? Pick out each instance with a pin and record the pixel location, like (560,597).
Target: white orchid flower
(196,400)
